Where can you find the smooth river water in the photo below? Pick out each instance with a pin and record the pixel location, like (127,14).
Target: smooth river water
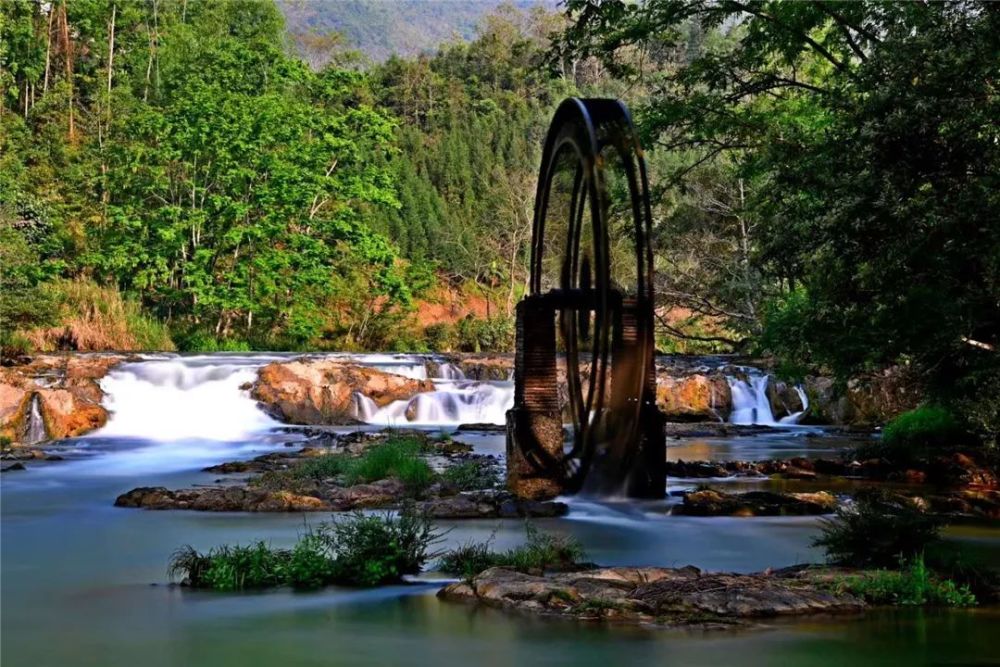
(85,583)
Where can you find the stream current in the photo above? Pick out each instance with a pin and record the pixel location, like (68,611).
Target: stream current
(85,583)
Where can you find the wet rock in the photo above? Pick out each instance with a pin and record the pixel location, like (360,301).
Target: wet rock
(693,397)
(709,502)
(784,399)
(662,596)
(322,391)
(489,505)
(13,467)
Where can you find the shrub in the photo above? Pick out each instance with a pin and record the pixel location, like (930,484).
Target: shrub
(912,584)
(876,530)
(485,335)
(439,337)
(360,550)
(925,428)
(374,549)
(541,551)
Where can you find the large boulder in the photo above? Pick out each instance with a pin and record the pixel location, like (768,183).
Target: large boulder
(693,398)
(322,391)
(69,413)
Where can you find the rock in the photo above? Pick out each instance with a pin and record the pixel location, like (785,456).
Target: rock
(490,505)
(68,389)
(68,413)
(709,502)
(784,399)
(322,391)
(661,596)
(694,397)
(13,467)
(492,368)
(220,499)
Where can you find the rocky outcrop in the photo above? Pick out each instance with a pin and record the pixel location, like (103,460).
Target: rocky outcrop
(653,596)
(68,390)
(490,505)
(219,499)
(710,502)
(322,391)
(693,398)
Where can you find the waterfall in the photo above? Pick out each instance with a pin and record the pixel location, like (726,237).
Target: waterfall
(751,404)
(450,404)
(35,433)
(447,371)
(194,398)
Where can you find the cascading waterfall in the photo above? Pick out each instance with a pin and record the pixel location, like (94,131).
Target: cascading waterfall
(35,433)
(450,404)
(195,398)
(751,404)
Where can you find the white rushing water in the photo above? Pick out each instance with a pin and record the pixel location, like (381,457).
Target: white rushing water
(188,398)
(36,432)
(451,404)
(751,404)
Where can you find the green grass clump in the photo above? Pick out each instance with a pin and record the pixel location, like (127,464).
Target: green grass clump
(471,475)
(397,457)
(231,568)
(912,584)
(359,550)
(876,530)
(541,551)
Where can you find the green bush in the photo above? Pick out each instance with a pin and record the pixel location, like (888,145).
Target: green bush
(912,584)
(374,549)
(439,337)
(928,427)
(359,550)
(876,530)
(541,551)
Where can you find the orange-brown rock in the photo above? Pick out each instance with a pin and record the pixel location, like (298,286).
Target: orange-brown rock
(322,391)
(69,392)
(693,397)
(68,413)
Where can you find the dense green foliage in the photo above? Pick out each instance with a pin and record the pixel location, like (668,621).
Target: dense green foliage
(877,530)
(173,151)
(852,148)
(912,584)
(917,435)
(540,552)
(356,550)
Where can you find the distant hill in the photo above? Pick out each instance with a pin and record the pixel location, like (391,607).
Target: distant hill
(381,28)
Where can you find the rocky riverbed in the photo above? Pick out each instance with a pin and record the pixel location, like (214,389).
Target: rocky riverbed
(278,483)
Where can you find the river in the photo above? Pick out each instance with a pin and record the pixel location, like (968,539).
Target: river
(85,583)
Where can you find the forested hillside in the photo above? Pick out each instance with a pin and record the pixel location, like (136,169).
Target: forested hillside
(380,29)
